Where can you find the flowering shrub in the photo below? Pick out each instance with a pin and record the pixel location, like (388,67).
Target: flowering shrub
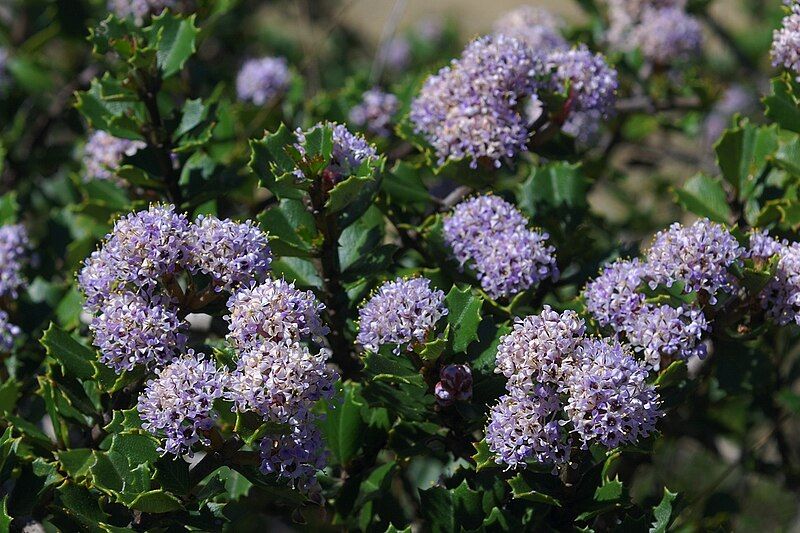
(253,272)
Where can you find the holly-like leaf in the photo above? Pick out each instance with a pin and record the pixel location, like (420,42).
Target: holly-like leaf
(291,228)
(156,501)
(742,153)
(521,490)
(75,358)
(464,316)
(704,196)
(174,39)
(343,425)
(662,513)
(782,104)
(554,185)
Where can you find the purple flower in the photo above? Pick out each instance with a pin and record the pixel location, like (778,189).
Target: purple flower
(785,50)
(177,405)
(230,252)
(667,34)
(396,54)
(763,246)
(349,152)
(781,297)
(97,278)
(591,83)
(490,235)
(472,109)
(273,311)
(261,81)
(375,112)
(103,154)
(295,456)
(609,399)
(455,384)
(8,333)
(612,298)
(525,427)
(138,10)
(14,247)
(674,332)
(700,255)
(535,27)
(142,248)
(534,352)
(401,312)
(280,380)
(138,329)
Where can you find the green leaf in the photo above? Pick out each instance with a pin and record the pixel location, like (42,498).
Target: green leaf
(554,185)
(782,105)
(156,501)
(8,202)
(483,457)
(174,39)
(9,394)
(436,506)
(404,185)
(663,512)
(5,518)
(610,491)
(76,463)
(343,425)
(742,154)
(75,358)
(521,490)
(674,374)
(291,228)
(705,197)
(172,473)
(272,163)
(464,316)
(81,504)
(193,113)
(376,484)
(137,448)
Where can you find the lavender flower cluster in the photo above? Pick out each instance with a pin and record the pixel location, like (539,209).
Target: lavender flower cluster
(781,297)
(375,112)
(14,246)
(131,283)
(103,154)
(700,257)
(491,236)
(402,312)
(349,152)
(261,81)
(474,108)
(139,10)
(785,50)
(535,27)
(660,29)
(566,389)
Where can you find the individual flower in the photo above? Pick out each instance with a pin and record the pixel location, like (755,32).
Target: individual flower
(103,155)
(525,427)
(350,151)
(536,349)
(491,236)
(781,297)
(613,297)
(273,311)
(472,109)
(14,245)
(139,10)
(590,82)
(785,50)
(609,400)
(8,332)
(664,331)
(699,255)
(177,405)
(535,27)
(230,252)
(375,112)
(455,384)
(260,81)
(280,380)
(401,312)
(138,329)
(667,34)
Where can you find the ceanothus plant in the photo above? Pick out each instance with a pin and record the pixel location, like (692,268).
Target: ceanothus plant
(451,282)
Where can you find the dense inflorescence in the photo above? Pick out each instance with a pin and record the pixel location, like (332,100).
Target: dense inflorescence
(260,81)
(139,10)
(781,296)
(491,236)
(273,311)
(350,151)
(178,403)
(8,332)
(402,312)
(535,27)
(454,385)
(566,388)
(591,83)
(471,108)
(786,42)
(668,34)
(14,245)
(103,154)
(375,112)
